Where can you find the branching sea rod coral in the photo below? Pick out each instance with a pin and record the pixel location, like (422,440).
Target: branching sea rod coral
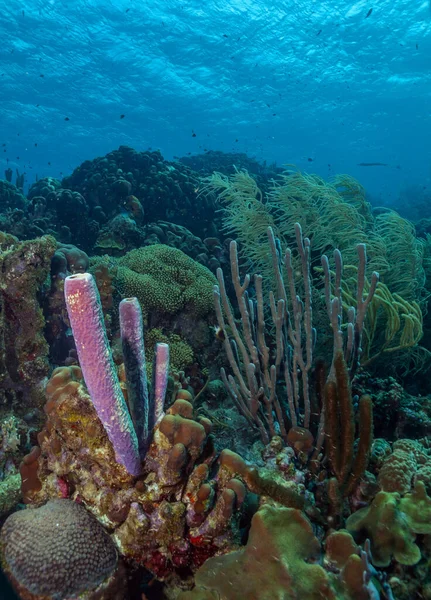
(258,368)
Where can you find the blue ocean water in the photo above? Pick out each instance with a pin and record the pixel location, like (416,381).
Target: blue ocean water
(324,85)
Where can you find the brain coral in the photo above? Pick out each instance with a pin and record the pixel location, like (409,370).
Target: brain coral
(166,279)
(62,534)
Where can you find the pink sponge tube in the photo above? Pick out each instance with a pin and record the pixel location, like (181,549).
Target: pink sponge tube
(100,375)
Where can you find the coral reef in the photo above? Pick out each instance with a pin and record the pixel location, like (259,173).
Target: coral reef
(176,513)
(174,435)
(169,507)
(165,190)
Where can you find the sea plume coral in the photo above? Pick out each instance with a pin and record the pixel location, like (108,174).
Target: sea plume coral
(335,215)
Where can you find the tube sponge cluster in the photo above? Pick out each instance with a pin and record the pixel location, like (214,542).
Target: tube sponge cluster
(86,319)
(146,412)
(130,433)
(132,341)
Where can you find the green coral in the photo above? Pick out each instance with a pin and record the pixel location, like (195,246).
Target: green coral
(180,353)
(333,214)
(166,279)
(10,493)
(392,523)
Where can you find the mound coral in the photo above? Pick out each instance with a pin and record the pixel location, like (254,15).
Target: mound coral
(10,197)
(167,280)
(62,560)
(165,189)
(181,353)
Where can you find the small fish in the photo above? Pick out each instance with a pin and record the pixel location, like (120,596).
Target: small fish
(193,134)
(122,116)
(373,164)
(219,333)
(310,159)
(319,32)
(369,13)
(35,145)
(66,119)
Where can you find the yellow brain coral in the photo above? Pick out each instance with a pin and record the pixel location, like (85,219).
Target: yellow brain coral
(166,279)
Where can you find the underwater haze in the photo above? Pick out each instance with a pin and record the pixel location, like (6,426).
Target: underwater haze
(323,85)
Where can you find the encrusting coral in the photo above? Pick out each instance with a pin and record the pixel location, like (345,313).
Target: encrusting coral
(280,561)
(275,563)
(392,523)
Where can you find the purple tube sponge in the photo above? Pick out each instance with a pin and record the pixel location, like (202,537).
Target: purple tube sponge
(160,382)
(132,339)
(95,358)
